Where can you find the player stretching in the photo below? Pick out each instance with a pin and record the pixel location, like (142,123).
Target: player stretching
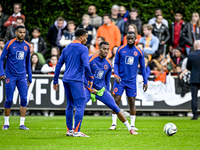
(125,69)
(75,57)
(101,68)
(17,51)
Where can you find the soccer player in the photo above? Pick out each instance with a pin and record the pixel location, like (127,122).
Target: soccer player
(101,68)
(18,63)
(125,72)
(75,57)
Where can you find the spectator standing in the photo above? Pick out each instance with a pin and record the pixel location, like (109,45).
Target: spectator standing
(176,30)
(191,31)
(123,13)
(132,28)
(161,32)
(150,41)
(158,11)
(95,20)
(40,45)
(10,31)
(35,65)
(193,65)
(12,19)
(69,35)
(56,31)
(3,19)
(91,30)
(133,19)
(114,14)
(110,32)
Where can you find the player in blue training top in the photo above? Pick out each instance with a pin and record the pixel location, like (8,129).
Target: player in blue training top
(75,57)
(125,70)
(101,68)
(18,63)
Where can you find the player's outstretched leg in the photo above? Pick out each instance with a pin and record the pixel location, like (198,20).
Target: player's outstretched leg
(114,115)
(131,101)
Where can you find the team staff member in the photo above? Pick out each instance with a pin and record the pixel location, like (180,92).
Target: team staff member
(17,51)
(125,70)
(75,57)
(101,68)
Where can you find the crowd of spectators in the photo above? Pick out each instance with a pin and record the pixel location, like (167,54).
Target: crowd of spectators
(166,46)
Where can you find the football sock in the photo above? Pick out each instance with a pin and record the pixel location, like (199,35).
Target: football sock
(127,125)
(132,117)
(6,120)
(22,120)
(114,119)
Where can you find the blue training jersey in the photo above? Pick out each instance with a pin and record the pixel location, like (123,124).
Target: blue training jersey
(126,63)
(101,68)
(75,57)
(18,59)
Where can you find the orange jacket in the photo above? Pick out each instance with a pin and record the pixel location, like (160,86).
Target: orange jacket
(136,41)
(111,34)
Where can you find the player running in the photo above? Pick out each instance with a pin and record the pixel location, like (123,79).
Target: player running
(101,68)
(75,57)
(17,51)
(125,70)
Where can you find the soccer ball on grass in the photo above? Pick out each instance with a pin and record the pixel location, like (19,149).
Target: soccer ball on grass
(170,129)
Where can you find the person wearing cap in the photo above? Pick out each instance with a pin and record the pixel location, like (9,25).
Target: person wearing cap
(178,56)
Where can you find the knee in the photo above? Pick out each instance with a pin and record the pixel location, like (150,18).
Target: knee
(24,102)
(117,100)
(132,102)
(8,103)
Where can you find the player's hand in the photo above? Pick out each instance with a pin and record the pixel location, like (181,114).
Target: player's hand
(118,79)
(145,86)
(3,77)
(29,83)
(93,91)
(90,83)
(55,87)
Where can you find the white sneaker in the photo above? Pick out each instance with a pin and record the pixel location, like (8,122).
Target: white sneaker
(70,133)
(134,128)
(133,132)
(79,134)
(113,127)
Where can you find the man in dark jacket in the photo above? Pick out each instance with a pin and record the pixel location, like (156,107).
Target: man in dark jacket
(56,31)
(193,65)
(161,31)
(176,30)
(133,19)
(3,19)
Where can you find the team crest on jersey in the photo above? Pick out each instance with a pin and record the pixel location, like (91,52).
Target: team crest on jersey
(115,90)
(105,66)
(7,80)
(129,60)
(135,53)
(25,48)
(20,55)
(99,74)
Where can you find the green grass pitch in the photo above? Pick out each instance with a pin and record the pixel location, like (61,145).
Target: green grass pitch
(48,133)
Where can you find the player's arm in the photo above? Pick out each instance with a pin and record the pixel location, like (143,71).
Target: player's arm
(57,71)
(28,67)
(107,78)
(85,60)
(2,57)
(116,68)
(143,70)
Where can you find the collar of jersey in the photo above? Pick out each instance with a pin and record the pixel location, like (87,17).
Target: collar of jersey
(76,41)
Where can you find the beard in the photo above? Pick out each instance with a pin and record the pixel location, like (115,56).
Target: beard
(131,45)
(90,13)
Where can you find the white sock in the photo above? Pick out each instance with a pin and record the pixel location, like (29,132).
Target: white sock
(127,125)
(114,119)
(6,120)
(22,120)
(132,117)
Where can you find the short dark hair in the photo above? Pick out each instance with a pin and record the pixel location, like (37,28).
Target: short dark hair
(134,10)
(178,12)
(54,56)
(107,15)
(158,9)
(20,5)
(31,43)
(1,39)
(104,42)
(102,38)
(80,32)
(37,29)
(131,32)
(20,18)
(60,19)
(20,27)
